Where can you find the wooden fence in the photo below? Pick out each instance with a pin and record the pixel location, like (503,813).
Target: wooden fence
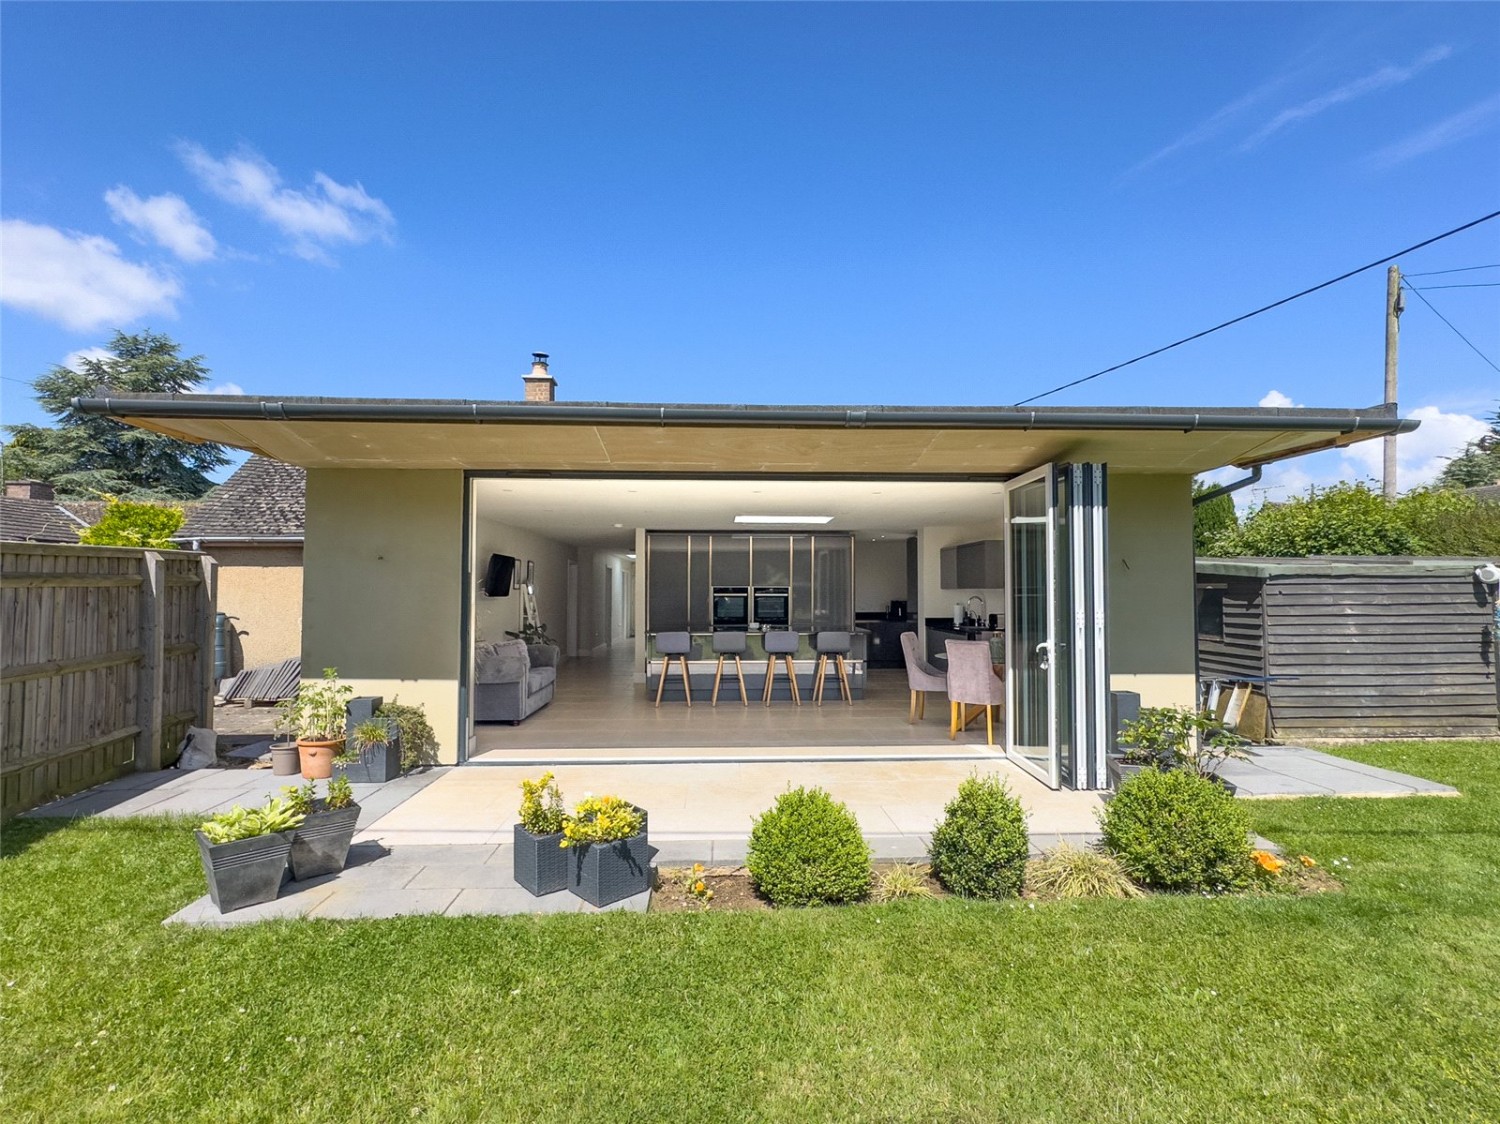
(106,658)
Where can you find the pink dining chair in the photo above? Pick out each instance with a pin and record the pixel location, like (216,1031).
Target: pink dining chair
(972,682)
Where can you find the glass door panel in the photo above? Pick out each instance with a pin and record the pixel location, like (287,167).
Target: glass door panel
(1030,626)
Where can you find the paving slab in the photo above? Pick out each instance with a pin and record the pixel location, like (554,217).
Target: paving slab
(344,902)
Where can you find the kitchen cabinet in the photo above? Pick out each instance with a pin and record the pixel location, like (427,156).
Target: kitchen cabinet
(885,642)
(973,565)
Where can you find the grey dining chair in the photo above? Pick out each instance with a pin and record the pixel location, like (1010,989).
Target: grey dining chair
(921,677)
(972,682)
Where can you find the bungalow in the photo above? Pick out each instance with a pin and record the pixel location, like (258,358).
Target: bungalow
(1064,533)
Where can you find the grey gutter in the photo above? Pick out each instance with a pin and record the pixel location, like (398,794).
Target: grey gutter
(1375,420)
(239,538)
(1227,489)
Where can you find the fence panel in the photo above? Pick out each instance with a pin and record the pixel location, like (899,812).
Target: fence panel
(93,682)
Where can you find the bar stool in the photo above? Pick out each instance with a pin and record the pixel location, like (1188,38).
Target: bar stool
(674,646)
(733,644)
(785,645)
(836,645)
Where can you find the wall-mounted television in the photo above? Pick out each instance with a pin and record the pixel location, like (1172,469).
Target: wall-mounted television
(499,575)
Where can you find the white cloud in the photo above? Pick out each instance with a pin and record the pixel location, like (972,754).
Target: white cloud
(223,388)
(74,360)
(165,219)
(1276,400)
(1450,130)
(326,213)
(1381,79)
(78,280)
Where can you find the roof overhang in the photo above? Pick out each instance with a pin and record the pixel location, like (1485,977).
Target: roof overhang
(843,440)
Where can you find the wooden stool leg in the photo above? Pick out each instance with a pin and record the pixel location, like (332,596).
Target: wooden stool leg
(687,684)
(765,695)
(844,680)
(661,684)
(819,670)
(718,677)
(791,675)
(739,670)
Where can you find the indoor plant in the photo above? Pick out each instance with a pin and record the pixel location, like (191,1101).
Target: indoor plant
(611,858)
(540,865)
(372,753)
(321,844)
(244,852)
(317,715)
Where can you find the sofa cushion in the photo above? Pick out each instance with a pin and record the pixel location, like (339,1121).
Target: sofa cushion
(503,662)
(540,677)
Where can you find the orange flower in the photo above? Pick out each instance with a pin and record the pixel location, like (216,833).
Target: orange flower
(1267,861)
(699,887)
(1307,861)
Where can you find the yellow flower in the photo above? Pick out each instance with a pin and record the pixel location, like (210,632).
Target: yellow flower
(1306,860)
(697,868)
(1267,861)
(699,886)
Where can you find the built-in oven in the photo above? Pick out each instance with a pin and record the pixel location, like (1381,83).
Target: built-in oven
(731,608)
(772,606)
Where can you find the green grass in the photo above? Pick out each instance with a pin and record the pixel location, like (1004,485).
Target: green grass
(1377,1004)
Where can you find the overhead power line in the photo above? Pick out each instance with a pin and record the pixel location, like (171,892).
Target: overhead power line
(1445,320)
(1265,308)
(1460,269)
(1470,285)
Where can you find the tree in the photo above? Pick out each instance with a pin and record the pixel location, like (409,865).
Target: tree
(147,525)
(1478,464)
(85,456)
(1211,519)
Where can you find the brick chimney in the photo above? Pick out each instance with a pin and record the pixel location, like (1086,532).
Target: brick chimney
(540,385)
(28,490)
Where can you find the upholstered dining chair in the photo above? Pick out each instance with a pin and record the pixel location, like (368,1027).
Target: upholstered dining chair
(921,677)
(972,682)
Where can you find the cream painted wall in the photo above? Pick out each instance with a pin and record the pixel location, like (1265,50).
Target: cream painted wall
(493,616)
(879,574)
(1152,639)
(260,589)
(382,586)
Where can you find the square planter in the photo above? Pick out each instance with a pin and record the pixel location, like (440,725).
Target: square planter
(541,866)
(377,764)
(601,873)
(321,845)
(245,872)
(1118,772)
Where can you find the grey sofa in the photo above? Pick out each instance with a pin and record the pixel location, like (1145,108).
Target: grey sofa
(513,679)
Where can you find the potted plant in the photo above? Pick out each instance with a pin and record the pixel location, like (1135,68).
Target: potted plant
(540,865)
(372,752)
(317,715)
(285,760)
(418,742)
(321,844)
(611,858)
(1168,737)
(244,853)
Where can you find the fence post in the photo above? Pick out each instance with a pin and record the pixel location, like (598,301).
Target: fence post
(153,621)
(208,603)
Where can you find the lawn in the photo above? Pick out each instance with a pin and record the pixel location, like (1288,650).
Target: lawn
(1379,1003)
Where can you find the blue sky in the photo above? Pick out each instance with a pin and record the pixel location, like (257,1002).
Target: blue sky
(955,204)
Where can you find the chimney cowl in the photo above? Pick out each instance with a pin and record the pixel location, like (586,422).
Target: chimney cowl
(29,490)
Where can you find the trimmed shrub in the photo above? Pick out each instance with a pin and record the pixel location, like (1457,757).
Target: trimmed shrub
(979,849)
(808,850)
(1178,831)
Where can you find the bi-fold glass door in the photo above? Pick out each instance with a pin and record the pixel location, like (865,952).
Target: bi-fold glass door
(1056,713)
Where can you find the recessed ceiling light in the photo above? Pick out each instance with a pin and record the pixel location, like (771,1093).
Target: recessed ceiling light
(783,519)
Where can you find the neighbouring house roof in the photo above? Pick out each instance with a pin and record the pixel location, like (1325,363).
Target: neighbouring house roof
(263,499)
(28,520)
(1486,493)
(605,437)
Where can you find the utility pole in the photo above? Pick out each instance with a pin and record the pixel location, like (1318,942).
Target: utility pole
(1393,306)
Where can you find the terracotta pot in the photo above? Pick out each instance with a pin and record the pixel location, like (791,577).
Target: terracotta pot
(317,758)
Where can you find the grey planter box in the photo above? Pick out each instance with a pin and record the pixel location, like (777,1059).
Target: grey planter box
(377,764)
(245,872)
(1119,772)
(601,873)
(541,866)
(321,845)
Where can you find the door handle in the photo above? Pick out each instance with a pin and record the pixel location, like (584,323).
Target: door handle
(1044,656)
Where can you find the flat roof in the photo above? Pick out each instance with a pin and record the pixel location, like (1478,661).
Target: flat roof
(1336,565)
(606,437)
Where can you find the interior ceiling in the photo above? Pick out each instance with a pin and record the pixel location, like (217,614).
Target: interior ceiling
(605,512)
(831,450)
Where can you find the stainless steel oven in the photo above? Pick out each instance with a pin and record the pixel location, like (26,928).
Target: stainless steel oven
(772,606)
(731,608)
